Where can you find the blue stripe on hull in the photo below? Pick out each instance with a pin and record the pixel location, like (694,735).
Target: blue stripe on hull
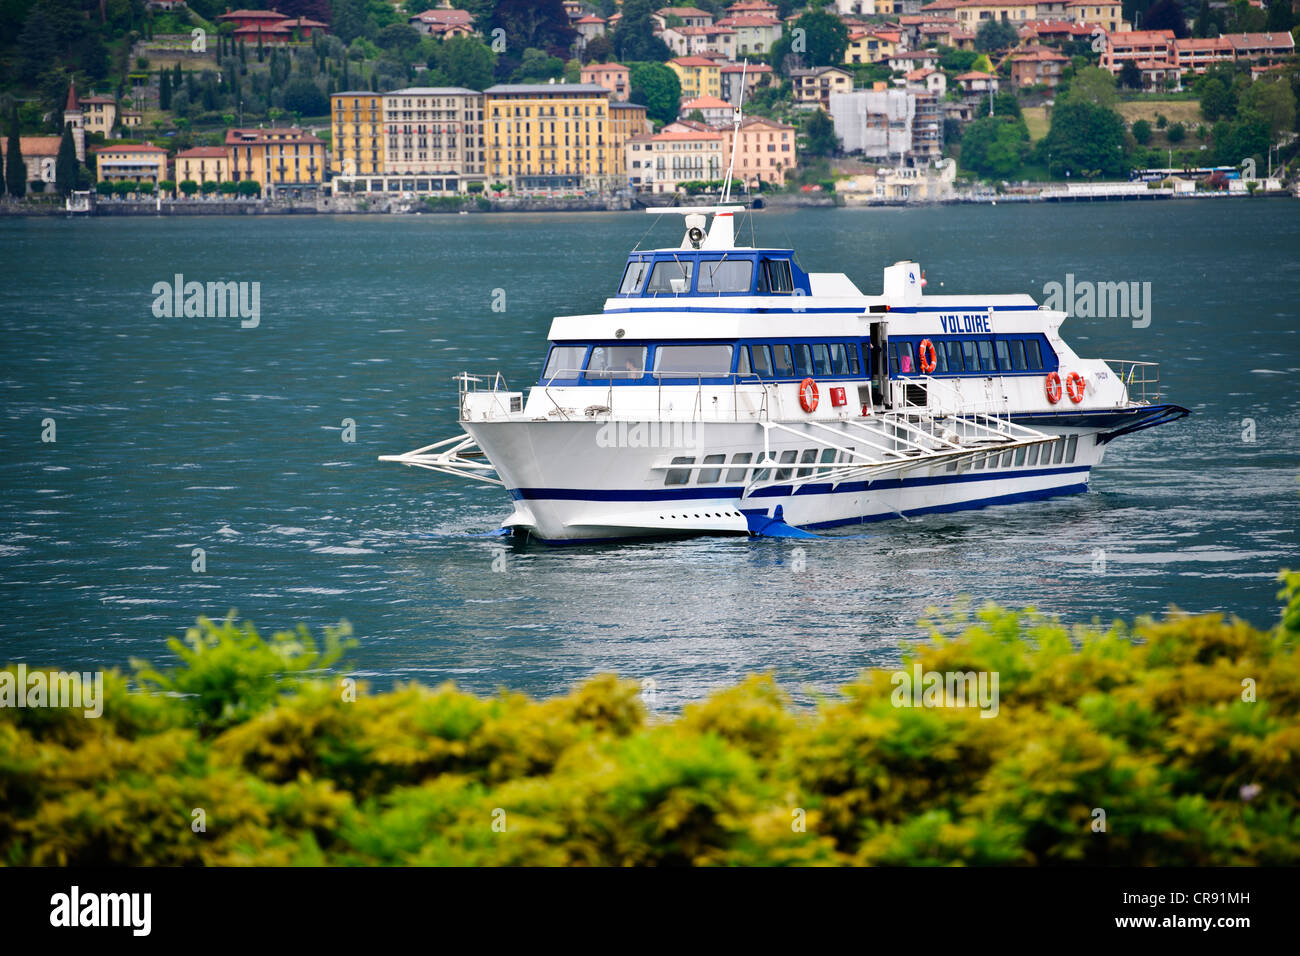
(1039,494)
(778,491)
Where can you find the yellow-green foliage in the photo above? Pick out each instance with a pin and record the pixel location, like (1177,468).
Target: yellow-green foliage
(1148,725)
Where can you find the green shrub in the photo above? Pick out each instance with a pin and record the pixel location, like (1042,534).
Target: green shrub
(1151,724)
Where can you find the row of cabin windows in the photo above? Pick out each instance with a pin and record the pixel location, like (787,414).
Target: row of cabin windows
(955,356)
(628,362)
(712,277)
(813,462)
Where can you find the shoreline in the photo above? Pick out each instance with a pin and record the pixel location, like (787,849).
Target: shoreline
(331,207)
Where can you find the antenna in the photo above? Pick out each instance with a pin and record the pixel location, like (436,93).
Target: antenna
(735,136)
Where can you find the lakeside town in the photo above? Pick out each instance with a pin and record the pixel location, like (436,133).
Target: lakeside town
(367,105)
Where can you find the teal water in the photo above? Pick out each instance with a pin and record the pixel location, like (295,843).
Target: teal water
(175,434)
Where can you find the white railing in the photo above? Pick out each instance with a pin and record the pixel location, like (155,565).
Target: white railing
(1144,377)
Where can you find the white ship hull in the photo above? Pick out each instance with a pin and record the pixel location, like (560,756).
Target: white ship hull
(567,487)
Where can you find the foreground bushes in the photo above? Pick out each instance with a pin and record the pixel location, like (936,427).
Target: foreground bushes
(244,754)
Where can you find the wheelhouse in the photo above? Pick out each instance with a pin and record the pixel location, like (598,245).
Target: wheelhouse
(675,273)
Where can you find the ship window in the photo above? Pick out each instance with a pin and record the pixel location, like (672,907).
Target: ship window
(762,361)
(1020,456)
(1031,457)
(1017,354)
(802,361)
(809,457)
(968,352)
(774,276)
(940,358)
(954,356)
(670,277)
(787,458)
(1058,449)
(1006,459)
(828,459)
(1072,448)
(725,275)
(740,458)
(679,476)
(565,361)
(1035,353)
(633,277)
(906,363)
(693,361)
(616,361)
(742,363)
(986,355)
(1004,355)
(782,362)
(893,358)
(839,359)
(822,360)
(709,476)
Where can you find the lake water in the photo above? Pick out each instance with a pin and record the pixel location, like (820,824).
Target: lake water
(175,434)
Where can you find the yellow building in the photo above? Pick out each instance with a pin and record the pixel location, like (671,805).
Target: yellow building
(1105,14)
(137,164)
(699,76)
(548,137)
(870,47)
(625,121)
(971,13)
(357,120)
(203,164)
(288,162)
(100,114)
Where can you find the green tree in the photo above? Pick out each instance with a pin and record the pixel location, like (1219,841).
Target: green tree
(189,187)
(104,188)
(1093,85)
(249,188)
(164,89)
(1176,133)
(1141,131)
(1085,136)
(816,39)
(1130,77)
(634,37)
(209,187)
(819,135)
(995,35)
(124,188)
(65,166)
(1274,100)
(657,88)
(1215,99)
(465,61)
(305,98)
(537,66)
(15,168)
(995,146)
(1243,138)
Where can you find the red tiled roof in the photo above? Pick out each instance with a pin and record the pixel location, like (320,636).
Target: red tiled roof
(203,152)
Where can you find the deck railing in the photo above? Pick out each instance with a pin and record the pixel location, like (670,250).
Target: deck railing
(1140,377)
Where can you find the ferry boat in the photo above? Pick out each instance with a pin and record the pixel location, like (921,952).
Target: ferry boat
(724,390)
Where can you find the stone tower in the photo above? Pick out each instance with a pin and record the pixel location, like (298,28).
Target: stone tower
(73,116)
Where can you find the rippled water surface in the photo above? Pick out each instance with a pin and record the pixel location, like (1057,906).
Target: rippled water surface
(175,434)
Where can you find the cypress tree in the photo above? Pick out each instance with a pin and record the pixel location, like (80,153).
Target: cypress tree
(15,168)
(65,167)
(165,90)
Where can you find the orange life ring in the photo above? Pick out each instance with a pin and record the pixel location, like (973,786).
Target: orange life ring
(1053,387)
(808,395)
(929,358)
(1074,385)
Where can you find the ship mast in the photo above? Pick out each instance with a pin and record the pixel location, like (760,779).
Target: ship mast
(735,136)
